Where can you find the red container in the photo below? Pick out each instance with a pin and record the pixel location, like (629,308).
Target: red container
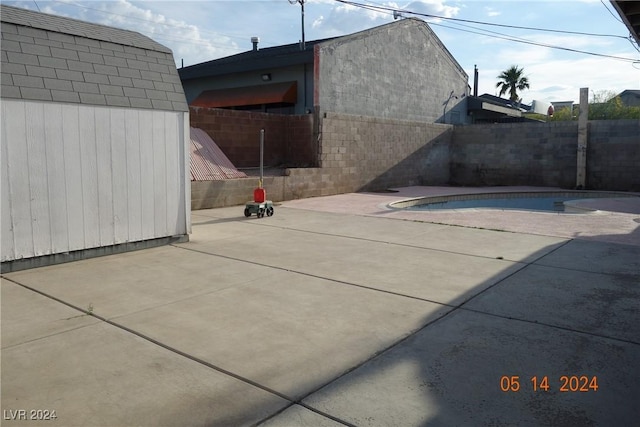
(259,195)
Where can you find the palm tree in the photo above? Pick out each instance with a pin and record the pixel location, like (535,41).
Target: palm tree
(512,80)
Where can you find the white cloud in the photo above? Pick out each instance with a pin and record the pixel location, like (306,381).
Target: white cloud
(345,18)
(186,40)
(491,12)
(433,7)
(318,22)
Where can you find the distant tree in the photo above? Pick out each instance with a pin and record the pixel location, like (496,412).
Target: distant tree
(604,105)
(512,80)
(564,114)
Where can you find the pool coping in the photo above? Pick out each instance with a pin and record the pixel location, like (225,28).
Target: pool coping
(613,220)
(573,204)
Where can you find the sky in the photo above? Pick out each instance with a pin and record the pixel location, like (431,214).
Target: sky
(199,31)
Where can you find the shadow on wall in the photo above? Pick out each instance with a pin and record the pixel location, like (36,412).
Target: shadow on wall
(429,165)
(454,110)
(289,139)
(545,154)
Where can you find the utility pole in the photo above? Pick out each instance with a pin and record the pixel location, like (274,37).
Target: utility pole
(302,45)
(583,130)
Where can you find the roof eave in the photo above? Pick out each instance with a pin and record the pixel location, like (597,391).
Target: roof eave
(630,15)
(247,64)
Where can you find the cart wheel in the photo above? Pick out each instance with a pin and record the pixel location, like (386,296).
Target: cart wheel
(260,213)
(247,212)
(270,211)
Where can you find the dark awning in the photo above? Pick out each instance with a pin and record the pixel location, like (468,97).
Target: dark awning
(476,103)
(274,93)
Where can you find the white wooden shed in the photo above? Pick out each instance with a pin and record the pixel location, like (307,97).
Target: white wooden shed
(95,141)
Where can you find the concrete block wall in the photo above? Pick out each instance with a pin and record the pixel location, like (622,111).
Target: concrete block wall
(301,142)
(357,154)
(288,139)
(537,154)
(545,154)
(613,155)
(297,184)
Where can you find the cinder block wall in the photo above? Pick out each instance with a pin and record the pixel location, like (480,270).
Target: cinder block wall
(544,154)
(288,139)
(361,153)
(357,154)
(367,154)
(613,155)
(537,154)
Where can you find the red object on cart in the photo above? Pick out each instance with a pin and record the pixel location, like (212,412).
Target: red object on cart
(259,195)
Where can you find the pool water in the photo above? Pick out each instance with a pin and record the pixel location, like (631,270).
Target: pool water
(544,201)
(548,204)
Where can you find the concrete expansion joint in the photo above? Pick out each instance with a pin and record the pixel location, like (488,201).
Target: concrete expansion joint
(91,313)
(310,408)
(536,322)
(314,275)
(384,242)
(292,401)
(523,266)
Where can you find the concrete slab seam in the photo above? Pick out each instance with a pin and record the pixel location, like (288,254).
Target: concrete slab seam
(180,353)
(535,322)
(158,343)
(376,355)
(194,296)
(423,327)
(527,264)
(312,409)
(559,267)
(315,276)
(49,336)
(393,243)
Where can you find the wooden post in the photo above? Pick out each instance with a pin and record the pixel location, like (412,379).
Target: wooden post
(582,139)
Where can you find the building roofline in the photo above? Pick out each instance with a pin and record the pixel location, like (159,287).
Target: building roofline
(283,55)
(290,54)
(629,11)
(416,21)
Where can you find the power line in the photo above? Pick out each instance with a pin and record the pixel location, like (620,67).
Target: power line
(519,40)
(630,38)
(499,36)
(427,15)
(612,14)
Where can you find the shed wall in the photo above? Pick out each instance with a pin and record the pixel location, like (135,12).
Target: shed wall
(78,177)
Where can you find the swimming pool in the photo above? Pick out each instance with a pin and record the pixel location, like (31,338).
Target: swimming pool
(543,201)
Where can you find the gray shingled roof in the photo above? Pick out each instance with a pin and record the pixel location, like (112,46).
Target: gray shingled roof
(51,58)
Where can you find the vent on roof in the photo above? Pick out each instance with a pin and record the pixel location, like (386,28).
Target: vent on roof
(255,41)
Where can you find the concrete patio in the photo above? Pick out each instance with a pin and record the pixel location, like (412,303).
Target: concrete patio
(337,311)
